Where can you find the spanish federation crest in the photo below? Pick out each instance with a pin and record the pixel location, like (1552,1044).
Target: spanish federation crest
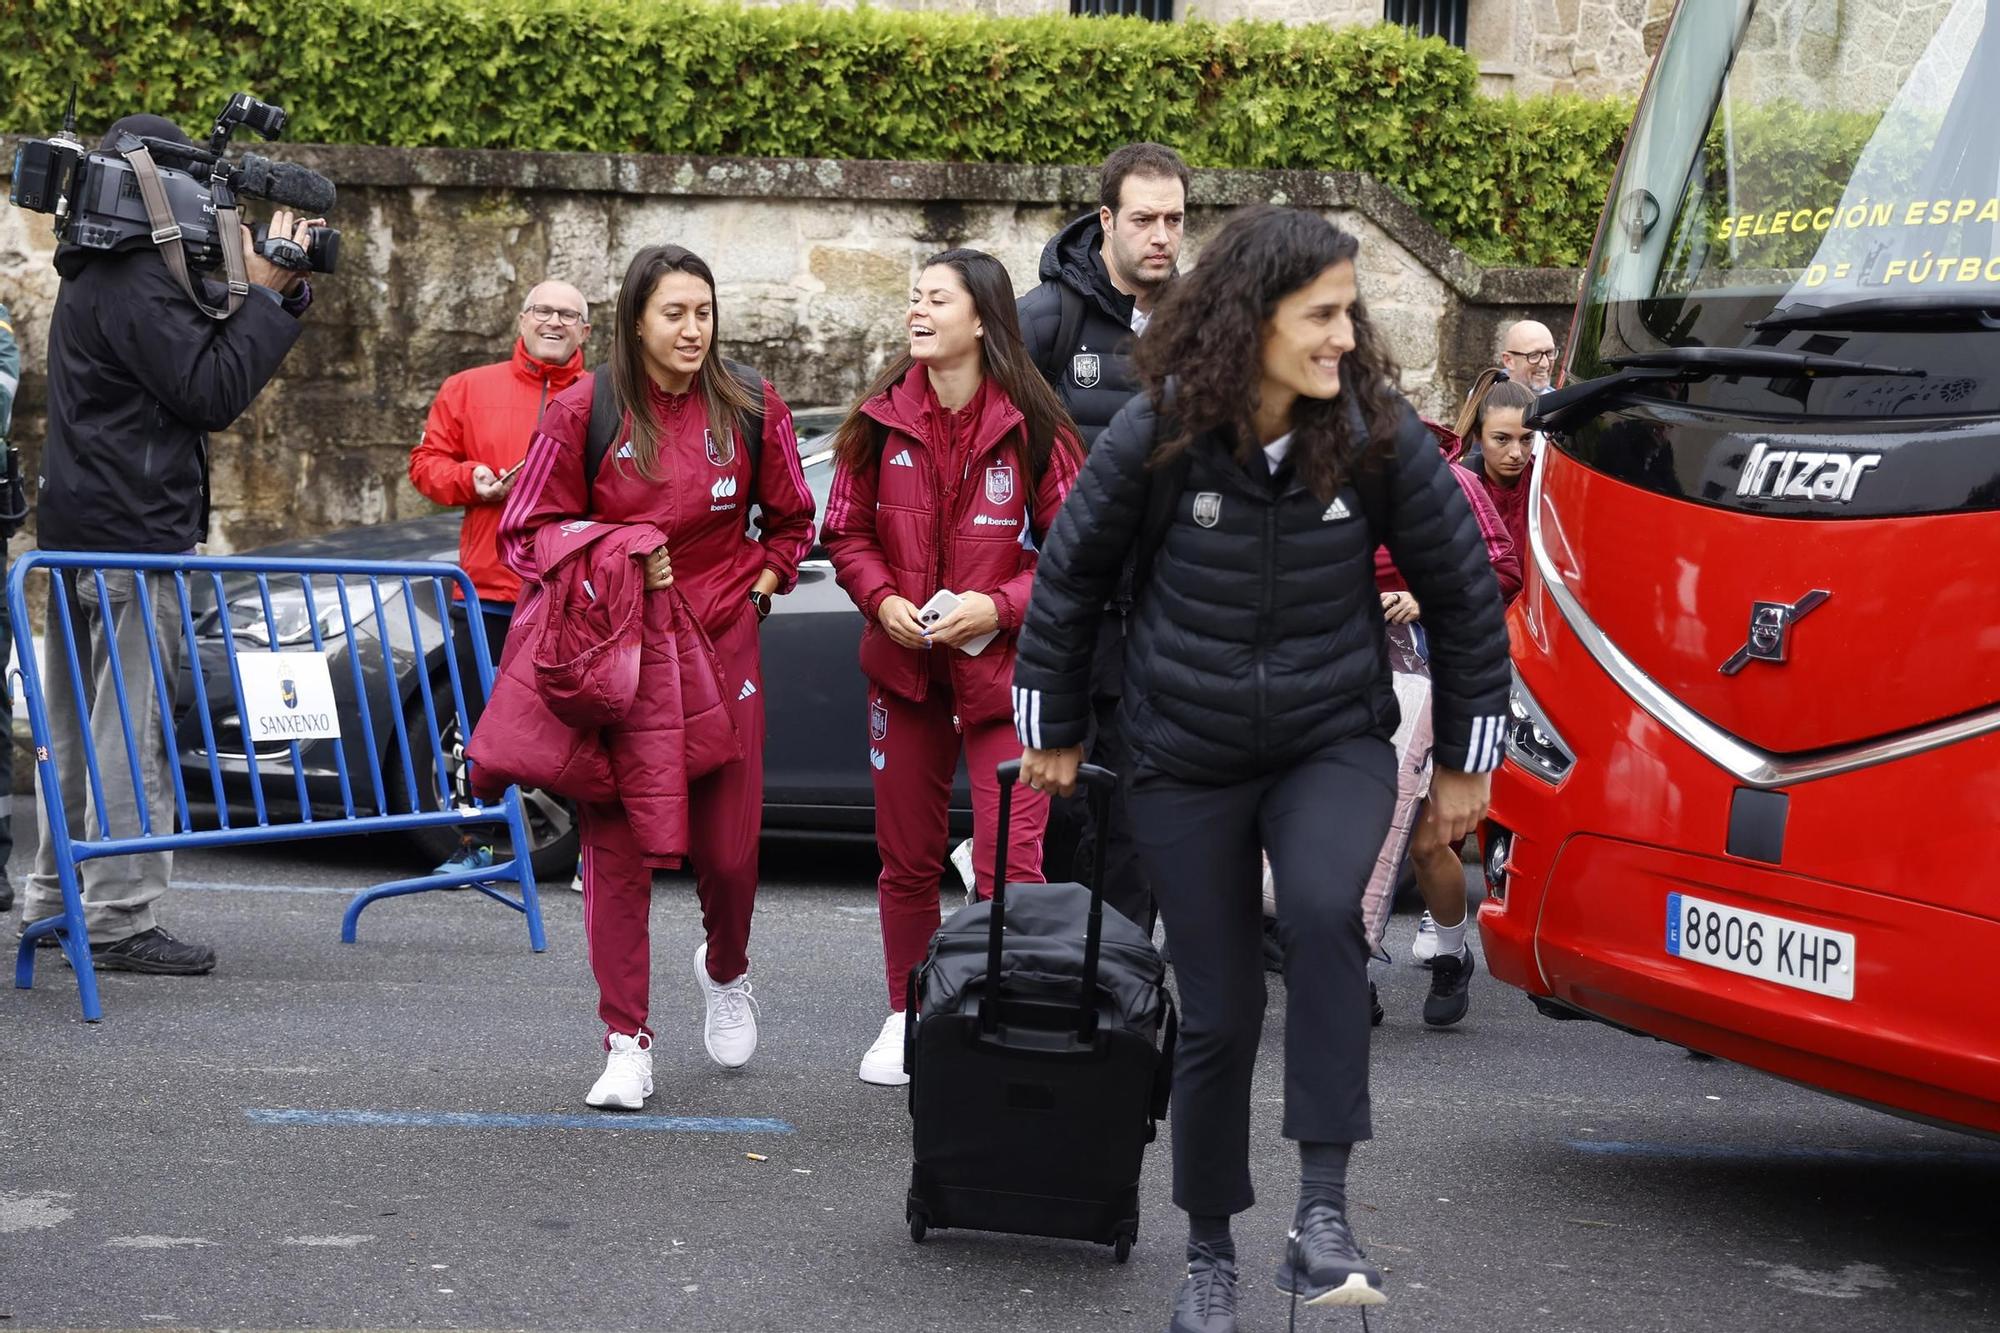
(878,721)
(999,484)
(1085,369)
(714,449)
(1208,508)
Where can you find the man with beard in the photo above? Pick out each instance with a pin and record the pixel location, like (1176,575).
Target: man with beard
(1100,276)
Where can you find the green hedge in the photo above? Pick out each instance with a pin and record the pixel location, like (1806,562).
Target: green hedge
(1508,181)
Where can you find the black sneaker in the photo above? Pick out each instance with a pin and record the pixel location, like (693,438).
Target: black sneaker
(1206,1302)
(155,952)
(1451,988)
(1375,1011)
(6,895)
(1323,1264)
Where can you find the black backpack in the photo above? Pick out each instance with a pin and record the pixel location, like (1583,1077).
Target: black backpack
(605,419)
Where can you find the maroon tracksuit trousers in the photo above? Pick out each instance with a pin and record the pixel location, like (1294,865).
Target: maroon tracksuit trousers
(725,819)
(914,749)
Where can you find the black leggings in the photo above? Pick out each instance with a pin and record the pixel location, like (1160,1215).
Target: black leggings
(1322,822)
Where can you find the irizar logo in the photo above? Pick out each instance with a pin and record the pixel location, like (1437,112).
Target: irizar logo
(1803,474)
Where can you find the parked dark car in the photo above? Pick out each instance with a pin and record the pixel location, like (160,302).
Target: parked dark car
(816,774)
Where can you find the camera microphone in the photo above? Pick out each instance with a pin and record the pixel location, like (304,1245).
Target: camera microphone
(283,183)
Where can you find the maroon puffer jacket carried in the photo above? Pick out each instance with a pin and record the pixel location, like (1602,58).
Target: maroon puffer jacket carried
(606,692)
(944,504)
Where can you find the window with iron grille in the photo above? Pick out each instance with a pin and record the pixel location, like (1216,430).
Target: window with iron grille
(1159,11)
(1430,18)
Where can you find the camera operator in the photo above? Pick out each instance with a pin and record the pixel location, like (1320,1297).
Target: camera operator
(138,375)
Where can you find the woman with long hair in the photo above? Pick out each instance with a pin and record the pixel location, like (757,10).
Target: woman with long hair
(1249,486)
(688,463)
(946,479)
(1499,447)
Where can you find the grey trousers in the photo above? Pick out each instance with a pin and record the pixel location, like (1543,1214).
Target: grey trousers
(118,891)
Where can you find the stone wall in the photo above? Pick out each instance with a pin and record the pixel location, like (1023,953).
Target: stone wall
(814,261)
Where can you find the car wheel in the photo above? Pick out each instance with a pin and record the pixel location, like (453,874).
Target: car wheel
(553,840)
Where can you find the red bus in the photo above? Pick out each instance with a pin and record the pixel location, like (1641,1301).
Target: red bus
(1752,787)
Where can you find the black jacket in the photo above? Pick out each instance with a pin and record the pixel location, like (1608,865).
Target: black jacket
(1094,377)
(137,377)
(1258,637)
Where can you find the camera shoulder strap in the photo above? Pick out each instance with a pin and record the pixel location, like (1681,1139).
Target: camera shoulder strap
(167,236)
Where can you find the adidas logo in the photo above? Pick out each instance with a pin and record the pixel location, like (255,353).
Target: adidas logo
(1338,509)
(902,459)
(723,488)
(748,689)
(877,758)
(624,450)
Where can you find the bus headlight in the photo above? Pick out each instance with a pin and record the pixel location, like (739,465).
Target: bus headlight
(1532,741)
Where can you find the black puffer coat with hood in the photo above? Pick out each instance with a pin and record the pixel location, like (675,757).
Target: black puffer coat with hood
(1094,377)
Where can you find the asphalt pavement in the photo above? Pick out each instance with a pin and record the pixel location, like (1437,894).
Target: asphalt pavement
(392,1134)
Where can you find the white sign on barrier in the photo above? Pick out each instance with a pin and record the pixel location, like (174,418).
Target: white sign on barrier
(287,697)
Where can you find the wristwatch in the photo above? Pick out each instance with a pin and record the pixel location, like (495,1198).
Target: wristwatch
(762,601)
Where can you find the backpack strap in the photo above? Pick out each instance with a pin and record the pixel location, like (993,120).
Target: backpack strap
(1069,327)
(605,419)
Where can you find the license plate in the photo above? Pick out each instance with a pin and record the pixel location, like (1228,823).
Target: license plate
(1751,944)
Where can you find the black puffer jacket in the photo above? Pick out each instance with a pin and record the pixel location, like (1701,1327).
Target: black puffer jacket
(1095,377)
(137,378)
(1258,639)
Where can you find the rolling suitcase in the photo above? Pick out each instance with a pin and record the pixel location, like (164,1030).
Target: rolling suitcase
(1034,1100)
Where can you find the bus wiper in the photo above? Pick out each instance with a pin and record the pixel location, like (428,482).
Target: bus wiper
(1579,402)
(1890,311)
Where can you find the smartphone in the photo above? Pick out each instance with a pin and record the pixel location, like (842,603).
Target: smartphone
(942,603)
(506,476)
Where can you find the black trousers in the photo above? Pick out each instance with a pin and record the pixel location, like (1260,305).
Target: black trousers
(1322,822)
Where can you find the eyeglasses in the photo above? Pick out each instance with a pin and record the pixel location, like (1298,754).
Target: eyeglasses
(542,314)
(1542,358)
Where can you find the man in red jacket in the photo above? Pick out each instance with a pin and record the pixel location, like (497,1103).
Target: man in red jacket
(476,437)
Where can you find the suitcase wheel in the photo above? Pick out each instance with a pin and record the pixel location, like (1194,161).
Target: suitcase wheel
(919,1226)
(1121,1249)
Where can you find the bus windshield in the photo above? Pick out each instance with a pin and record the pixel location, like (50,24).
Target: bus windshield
(1808,163)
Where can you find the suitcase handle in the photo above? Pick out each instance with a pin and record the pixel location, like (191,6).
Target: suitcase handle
(1100,783)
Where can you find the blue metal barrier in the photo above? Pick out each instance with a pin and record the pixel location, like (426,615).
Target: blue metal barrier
(401,678)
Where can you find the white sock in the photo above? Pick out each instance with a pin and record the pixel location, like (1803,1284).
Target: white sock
(1451,939)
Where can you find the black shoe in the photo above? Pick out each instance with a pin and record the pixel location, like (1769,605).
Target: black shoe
(154,952)
(1206,1302)
(1323,1264)
(1274,948)
(1451,989)
(1375,1010)
(6,896)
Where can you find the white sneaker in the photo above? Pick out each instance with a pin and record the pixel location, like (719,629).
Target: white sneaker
(576,882)
(884,1062)
(961,861)
(1424,947)
(730,1029)
(627,1080)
